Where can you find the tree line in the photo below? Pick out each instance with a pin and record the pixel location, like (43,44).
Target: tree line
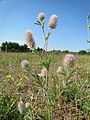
(15,47)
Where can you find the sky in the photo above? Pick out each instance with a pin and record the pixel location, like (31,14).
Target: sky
(16,16)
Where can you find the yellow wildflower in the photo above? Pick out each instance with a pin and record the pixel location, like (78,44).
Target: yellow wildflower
(21,79)
(9,76)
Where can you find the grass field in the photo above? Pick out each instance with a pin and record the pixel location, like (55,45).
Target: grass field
(63,96)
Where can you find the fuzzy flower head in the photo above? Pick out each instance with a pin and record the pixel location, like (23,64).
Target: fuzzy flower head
(29,39)
(41,16)
(21,107)
(39,75)
(43,72)
(27,104)
(52,22)
(59,70)
(69,60)
(24,63)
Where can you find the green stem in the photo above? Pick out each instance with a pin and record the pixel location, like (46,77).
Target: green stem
(46,83)
(43,31)
(48,114)
(40,55)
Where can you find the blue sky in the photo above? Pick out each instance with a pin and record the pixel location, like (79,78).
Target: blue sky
(70,34)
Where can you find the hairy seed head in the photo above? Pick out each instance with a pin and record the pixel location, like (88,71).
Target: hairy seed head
(21,107)
(27,104)
(69,60)
(59,70)
(43,72)
(41,16)
(52,22)
(29,39)
(24,63)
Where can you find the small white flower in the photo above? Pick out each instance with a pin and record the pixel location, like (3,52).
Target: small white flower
(27,104)
(69,60)
(29,39)
(52,22)
(24,63)
(21,107)
(59,70)
(39,75)
(41,16)
(43,72)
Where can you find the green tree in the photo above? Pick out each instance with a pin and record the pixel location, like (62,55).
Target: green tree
(82,52)
(13,47)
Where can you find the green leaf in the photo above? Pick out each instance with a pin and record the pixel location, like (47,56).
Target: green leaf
(48,114)
(64,73)
(39,81)
(38,23)
(51,96)
(42,117)
(34,51)
(70,74)
(46,64)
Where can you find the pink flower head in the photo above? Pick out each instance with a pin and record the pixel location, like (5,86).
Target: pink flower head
(52,22)
(41,16)
(21,107)
(43,72)
(27,104)
(24,63)
(29,39)
(69,60)
(59,70)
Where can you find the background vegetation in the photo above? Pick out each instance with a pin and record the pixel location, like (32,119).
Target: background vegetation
(16,47)
(69,101)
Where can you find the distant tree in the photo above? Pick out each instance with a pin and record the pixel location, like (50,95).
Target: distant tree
(13,47)
(65,51)
(39,49)
(4,46)
(23,48)
(55,51)
(82,52)
(10,46)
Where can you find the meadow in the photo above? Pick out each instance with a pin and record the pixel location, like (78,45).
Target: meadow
(42,85)
(57,96)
